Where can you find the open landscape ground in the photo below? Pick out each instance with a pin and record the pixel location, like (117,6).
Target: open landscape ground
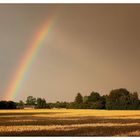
(69,122)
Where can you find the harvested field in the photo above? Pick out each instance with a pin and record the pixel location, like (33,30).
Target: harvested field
(69,122)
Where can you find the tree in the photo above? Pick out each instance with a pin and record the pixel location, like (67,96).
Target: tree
(133,101)
(11,105)
(3,105)
(103,101)
(85,99)
(31,100)
(63,104)
(60,105)
(97,105)
(57,104)
(79,99)
(74,105)
(20,105)
(8,105)
(94,96)
(122,99)
(41,103)
(94,101)
(117,99)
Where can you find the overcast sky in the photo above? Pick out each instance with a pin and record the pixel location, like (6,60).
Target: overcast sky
(90,48)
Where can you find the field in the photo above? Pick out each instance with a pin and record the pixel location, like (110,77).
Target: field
(68,122)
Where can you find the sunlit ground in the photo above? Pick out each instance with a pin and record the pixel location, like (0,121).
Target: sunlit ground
(69,122)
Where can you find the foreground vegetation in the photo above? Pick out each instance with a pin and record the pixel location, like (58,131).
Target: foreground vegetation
(69,122)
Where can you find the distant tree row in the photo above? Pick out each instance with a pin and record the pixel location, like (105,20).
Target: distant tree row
(122,99)
(93,101)
(118,99)
(31,101)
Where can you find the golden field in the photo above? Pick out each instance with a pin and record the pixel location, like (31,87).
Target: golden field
(69,122)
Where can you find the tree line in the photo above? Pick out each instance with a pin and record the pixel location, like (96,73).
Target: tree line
(8,105)
(118,99)
(31,101)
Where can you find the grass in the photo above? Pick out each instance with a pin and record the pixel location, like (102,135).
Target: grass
(69,122)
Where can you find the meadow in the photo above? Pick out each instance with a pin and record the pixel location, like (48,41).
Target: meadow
(69,122)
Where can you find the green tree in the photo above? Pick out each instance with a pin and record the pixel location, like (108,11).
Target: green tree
(122,99)
(134,102)
(79,99)
(20,105)
(94,96)
(85,99)
(117,99)
(41,103)
(103,101)
(94,101)
(31,100)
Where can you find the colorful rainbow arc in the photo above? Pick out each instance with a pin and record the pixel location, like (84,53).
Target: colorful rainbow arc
(27,60)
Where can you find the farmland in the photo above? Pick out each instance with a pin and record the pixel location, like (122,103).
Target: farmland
(69,122)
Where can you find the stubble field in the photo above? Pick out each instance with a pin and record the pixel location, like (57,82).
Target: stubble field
(69,122)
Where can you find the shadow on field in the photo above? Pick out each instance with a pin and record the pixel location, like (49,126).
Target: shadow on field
(83,131)
(119,126)
(47,121)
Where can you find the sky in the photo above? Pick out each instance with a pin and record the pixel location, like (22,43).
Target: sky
(91,47)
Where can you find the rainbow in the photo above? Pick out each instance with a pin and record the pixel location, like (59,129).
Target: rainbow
(27,60)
